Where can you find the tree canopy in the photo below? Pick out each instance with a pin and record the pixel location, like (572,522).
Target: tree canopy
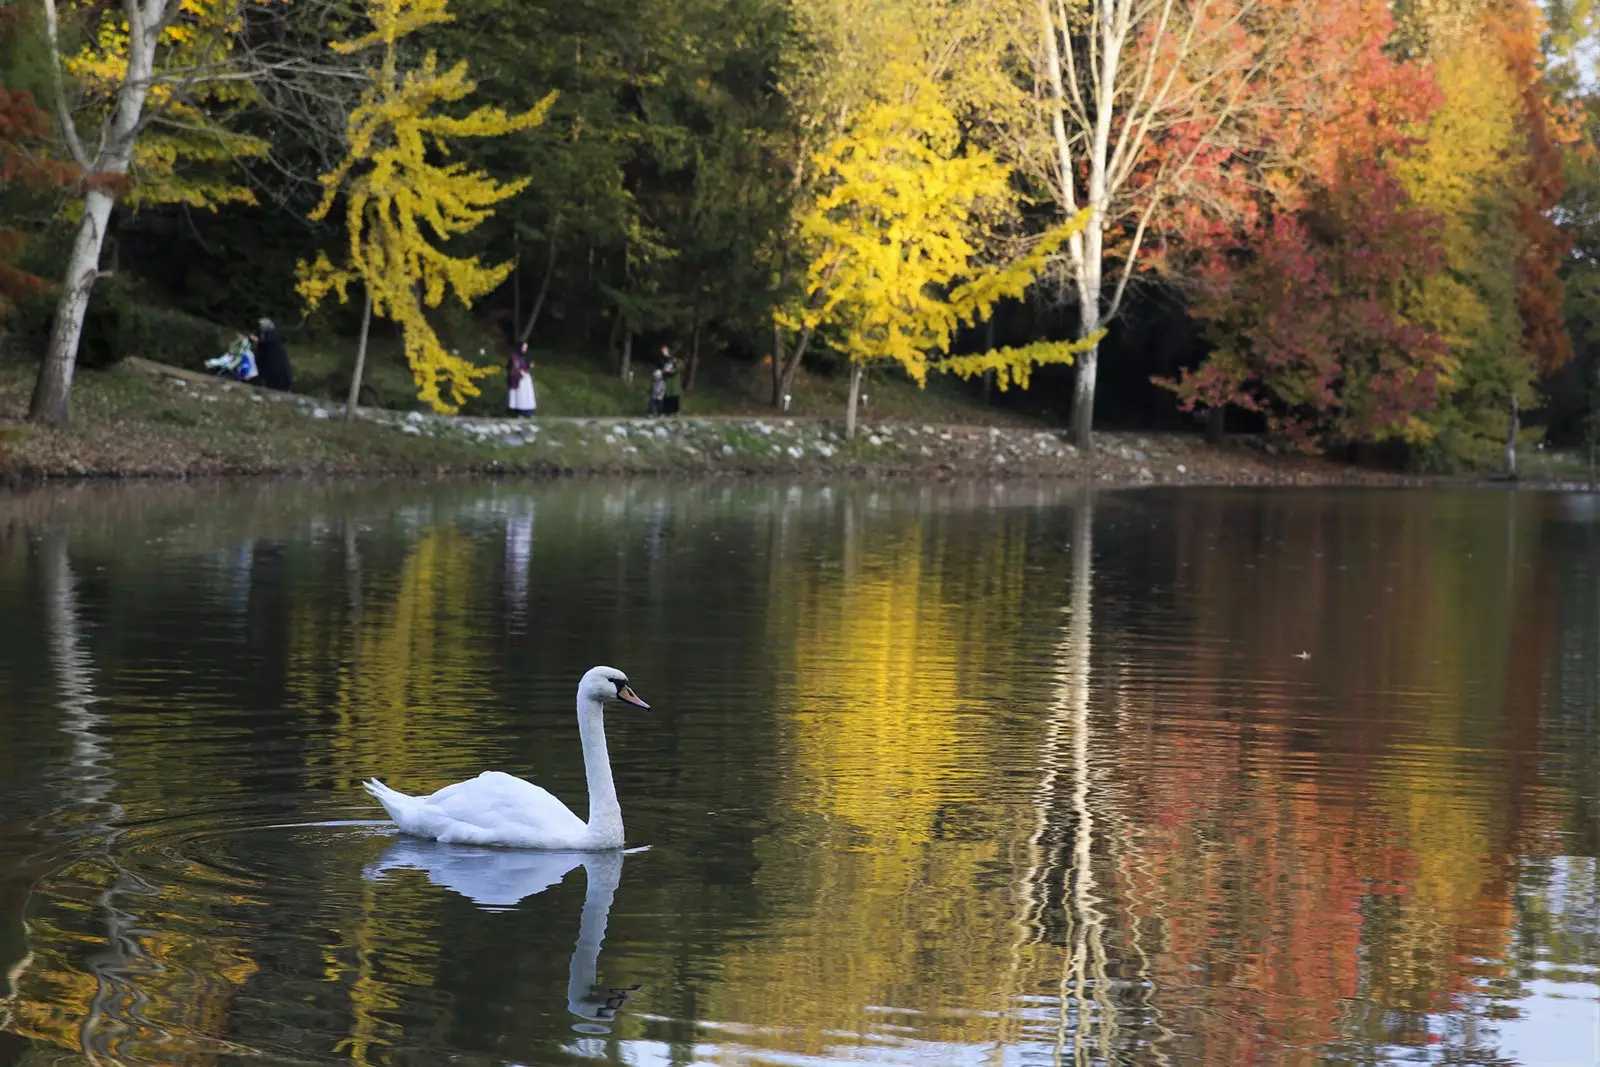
(1374,214)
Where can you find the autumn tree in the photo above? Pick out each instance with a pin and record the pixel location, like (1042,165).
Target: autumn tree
(832,68)
(1489,163)
(1144,103)
(400,200)
(149,90)
(26,164)
(896,243)
(1409,200)
(1307,297)
(29,169)
(839,66)
(1308,333)
(1550,131)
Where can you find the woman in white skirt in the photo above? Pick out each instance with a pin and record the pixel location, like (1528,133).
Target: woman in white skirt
(519,379)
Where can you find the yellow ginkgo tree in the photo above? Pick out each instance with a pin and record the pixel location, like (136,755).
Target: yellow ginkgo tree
(901,248)
(403,199)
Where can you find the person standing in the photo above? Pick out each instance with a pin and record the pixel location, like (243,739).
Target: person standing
(658,392)
(272,358)
(519,380)
(669,374)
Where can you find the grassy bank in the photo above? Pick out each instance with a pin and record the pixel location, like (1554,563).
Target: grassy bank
(147,420)
(575,385)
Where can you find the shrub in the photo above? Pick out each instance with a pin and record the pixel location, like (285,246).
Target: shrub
(120,324)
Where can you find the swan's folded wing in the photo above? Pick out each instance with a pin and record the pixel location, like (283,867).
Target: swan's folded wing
(495,800)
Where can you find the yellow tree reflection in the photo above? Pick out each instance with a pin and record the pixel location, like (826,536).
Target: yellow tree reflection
(402,673)
(897,640)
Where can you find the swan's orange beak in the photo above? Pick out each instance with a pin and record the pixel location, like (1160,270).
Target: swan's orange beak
(628,696)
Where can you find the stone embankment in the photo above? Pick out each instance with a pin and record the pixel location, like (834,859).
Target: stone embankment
(755,444)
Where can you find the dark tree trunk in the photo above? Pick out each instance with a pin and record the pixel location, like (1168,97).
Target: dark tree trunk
(1216,423)
(1511,439)
(354,398)
(544,291)
(694,353)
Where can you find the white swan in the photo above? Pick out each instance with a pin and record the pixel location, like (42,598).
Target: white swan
(500,809)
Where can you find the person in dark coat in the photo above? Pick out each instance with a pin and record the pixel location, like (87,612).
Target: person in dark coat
(669,372)
(272,359)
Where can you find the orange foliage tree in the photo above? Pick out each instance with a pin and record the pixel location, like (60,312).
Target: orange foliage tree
(1549,130)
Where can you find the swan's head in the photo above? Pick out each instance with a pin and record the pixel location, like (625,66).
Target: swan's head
(601,684)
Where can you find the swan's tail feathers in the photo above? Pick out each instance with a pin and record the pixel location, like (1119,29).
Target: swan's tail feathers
(393,801)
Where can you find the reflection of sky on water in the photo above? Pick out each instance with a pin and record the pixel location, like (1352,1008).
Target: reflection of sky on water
(1556,1021)
(1558,1025)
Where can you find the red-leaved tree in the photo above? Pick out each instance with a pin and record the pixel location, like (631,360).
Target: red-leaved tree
(24,161)
(1304,321)
(1303,301)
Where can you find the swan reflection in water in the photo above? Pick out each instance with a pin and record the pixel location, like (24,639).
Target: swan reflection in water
(499,879)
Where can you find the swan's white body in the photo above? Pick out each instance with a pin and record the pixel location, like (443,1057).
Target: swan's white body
(501,809)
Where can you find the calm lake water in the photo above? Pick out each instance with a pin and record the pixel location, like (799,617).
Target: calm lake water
(940,775)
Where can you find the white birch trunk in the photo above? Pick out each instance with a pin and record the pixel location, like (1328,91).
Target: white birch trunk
(53,390)
(1115,100)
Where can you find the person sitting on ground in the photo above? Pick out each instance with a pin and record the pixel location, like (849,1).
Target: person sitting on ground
(519,379)
(658,392)
(272,358)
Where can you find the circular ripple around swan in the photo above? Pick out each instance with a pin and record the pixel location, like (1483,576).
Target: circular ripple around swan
(277,857)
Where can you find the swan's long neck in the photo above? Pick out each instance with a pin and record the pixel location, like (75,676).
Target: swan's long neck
(605,814)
